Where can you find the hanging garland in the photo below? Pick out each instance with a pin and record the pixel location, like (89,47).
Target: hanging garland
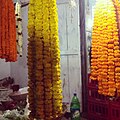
(7,31)
(105,48)
(45,94)
(19,37)
(117,52)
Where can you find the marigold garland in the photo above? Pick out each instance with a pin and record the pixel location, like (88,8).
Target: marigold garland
(45,93)
(7,31)
(117,52)
(105,48)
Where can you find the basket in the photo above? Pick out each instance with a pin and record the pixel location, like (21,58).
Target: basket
(115,110)
(93,94)
(99,109)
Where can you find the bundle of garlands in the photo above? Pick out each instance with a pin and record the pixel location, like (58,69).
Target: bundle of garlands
(105,62)
(8,50)
(117,7)
(45,93)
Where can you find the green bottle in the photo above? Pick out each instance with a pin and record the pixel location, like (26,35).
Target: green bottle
(75,108)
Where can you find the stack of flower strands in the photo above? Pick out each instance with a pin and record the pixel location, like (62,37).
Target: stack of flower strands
(117,55)
(45,93)
(105,60)
(8,47)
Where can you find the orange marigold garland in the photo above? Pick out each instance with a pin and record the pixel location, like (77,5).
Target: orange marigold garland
(3,27)
(117,49)
(105,48)
(7,31)
(12,33)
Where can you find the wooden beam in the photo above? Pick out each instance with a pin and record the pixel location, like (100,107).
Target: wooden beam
(83,52)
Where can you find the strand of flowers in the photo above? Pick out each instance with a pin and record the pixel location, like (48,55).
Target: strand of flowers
(8,31)
(113,36)
(102,52)
(106,32)
(102,55)
(117,50)
(98,51)
(39,38)
(47,61)
(55,55)
(19,37)
(12,33)
(94,49)
(117,8)
(31,61)
(3,28)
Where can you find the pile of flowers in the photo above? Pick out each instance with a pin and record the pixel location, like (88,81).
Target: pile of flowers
(105,62)
(45,93)
(8,50)
(14,115)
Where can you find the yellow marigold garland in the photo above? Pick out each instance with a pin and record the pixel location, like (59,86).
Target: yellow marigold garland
(45,94)
(55,55)
(105,48)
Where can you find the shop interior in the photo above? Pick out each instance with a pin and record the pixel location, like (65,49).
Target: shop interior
(60,60)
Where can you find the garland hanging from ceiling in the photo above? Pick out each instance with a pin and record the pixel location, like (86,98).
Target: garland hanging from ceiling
(117,62)
(7,31)
(105,62)
(45,93)
(19,35)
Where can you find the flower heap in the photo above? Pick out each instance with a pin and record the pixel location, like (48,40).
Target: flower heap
(105,48)
(117,51)
(45,94)
(7,31)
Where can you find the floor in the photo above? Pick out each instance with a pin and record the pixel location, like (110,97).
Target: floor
(83,119)
(69,119)
(67,116)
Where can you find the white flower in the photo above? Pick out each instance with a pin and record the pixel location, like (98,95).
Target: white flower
(72,3)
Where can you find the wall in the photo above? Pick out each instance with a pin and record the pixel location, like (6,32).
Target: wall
(19,69)
(69,35)
(4,69)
